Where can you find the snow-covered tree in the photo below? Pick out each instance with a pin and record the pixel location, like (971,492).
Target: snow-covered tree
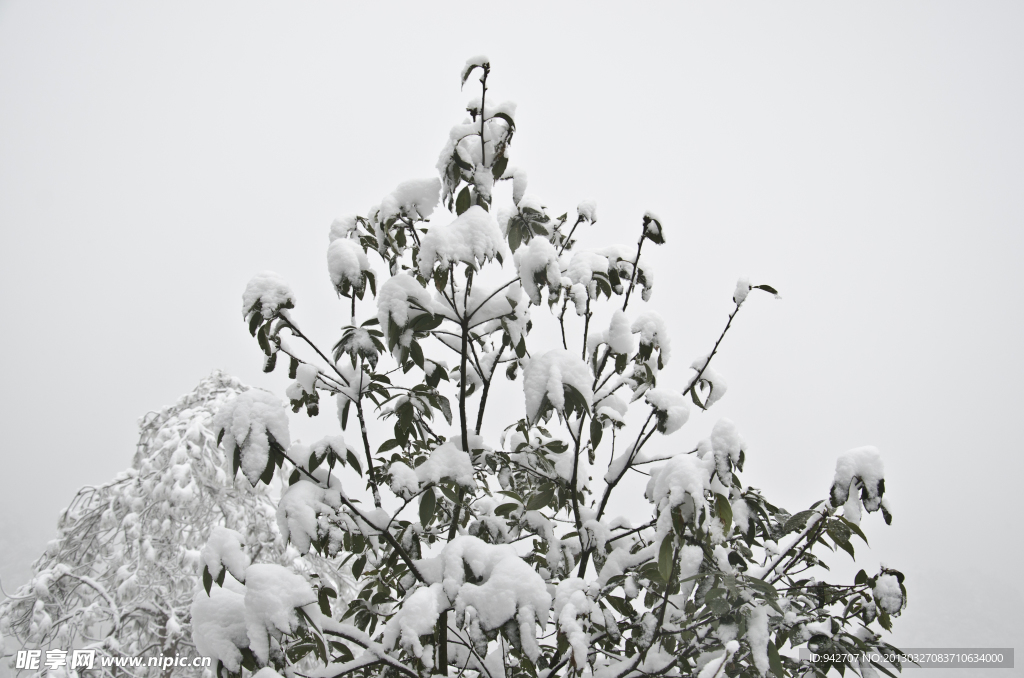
(122,573)
(499,548)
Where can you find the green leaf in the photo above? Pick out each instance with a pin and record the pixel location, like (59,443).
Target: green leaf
(446,408)
(541,499)
(498,168)
(665,557)
(775,661)
(724,510)
(695,399)
(417,354)
(505,509)
(357,567)
(515,237)
(354,462)
(766,288)
(254,323)
(388,445)
(462,202)
(797,522)
(428,504)
(861,578)
(596,433)
(507,118)
(207,579)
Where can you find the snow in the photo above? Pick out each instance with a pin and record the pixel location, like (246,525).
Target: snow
(587,209)
(271,595)
(343,227)
(401,299)
(509,587)
(546,375)
(571,602)
(726,443)
(306,375)
(742,290)
(404,481)
(414,200)
(621,257)
(887,593)
(473,238)
(713,669)
(865,464)
(225,548)
(218,624)
(654,332)
(719,387)
(537,265)
(270,291)
(757,637)
(446,461)
(672,408)
(519,183)
(297,512)
(620,336)
(416,617)
(652,228)
(684,476)
(250,420)
(346,262)
(479,60)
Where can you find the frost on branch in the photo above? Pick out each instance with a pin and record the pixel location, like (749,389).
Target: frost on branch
(123,572)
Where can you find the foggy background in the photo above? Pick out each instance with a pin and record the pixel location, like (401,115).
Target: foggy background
(867,161)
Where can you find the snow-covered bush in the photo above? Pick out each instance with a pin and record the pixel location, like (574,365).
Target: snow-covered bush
(122,574)
(492,543)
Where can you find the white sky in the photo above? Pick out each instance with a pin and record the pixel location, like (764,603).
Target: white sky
(866,160)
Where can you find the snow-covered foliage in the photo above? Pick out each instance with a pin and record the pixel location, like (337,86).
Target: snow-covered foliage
(122,574)
(495,546)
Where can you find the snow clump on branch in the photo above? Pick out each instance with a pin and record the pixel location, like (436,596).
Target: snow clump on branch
(473,238)
(546,377)
(266,293)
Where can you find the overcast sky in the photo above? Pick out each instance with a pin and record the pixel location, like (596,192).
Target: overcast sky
(867,160)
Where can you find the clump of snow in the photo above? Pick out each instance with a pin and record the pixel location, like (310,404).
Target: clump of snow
(297,512)
(582,267)
(225,548)
(508,587)
(404,481)
(473,238)
(266,293)
(671,408)
(757,637)
(479,61)
(887,593)
(682,477)
(863,464)
(653,333)
(519,183)
(713,669)
(401,299)
(218,623)
(622,258)
(271,595)
(250,421)
(343,227)
(727,446)
(742,290)
(652,228)
(346,263)
(546,375)
(620,336)
(717,382)
(414,200)
(537,265)
(446,461)
(587,210)
(416,617)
